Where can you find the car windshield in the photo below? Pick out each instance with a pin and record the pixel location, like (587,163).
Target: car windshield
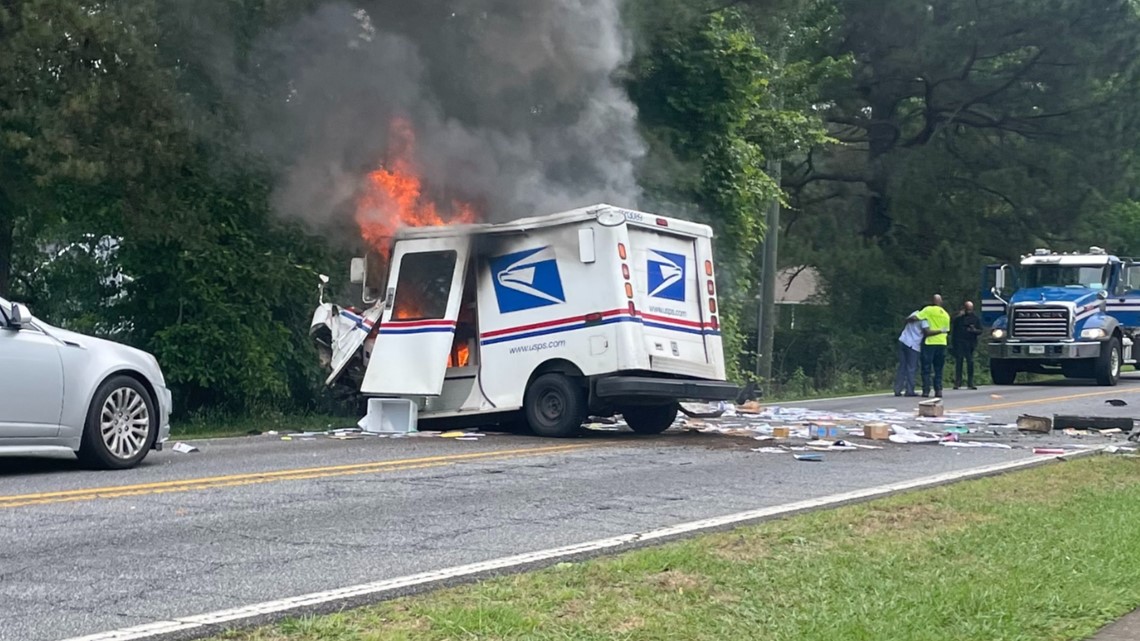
(1090,276)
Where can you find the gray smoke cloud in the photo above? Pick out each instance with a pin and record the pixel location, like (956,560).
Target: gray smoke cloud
(514,103)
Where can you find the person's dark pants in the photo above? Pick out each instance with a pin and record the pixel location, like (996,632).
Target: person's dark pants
(963,353)
(933,362)
(907,371)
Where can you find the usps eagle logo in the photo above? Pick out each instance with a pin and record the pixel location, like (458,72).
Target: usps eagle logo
(666,275)
(527,280)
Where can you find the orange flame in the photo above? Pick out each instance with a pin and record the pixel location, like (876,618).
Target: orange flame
(393,196)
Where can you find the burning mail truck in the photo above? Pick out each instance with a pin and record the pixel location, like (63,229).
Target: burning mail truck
(599,310)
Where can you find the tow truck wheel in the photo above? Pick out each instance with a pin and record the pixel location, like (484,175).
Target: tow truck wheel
(555,406)
(1003,372)
(650,419)
(1108,363)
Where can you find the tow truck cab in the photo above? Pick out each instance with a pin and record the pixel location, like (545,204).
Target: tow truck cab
(596,311)
(1077,314)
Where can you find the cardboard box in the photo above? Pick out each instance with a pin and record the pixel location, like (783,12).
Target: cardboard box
(931,409)
(781,432)
(1029,423)
(877,431)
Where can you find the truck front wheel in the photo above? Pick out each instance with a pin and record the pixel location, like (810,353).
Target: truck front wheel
(1003,372)
(650,419)
(555,406)
(1108,363)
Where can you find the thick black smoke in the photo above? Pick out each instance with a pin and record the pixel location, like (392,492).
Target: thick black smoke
(514,102)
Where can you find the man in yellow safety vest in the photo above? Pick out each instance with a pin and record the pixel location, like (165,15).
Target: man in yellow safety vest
(935,327)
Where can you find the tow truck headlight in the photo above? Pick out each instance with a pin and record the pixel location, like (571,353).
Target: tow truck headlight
(1094,333)
(997,334)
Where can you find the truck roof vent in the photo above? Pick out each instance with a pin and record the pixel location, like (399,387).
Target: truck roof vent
(1041,252)
(1098,251)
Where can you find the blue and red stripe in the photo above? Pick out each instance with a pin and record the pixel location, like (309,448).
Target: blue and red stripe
(610,317)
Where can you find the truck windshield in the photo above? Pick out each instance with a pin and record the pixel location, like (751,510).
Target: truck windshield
(1090,276)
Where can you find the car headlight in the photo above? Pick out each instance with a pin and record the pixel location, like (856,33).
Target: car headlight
(1094,333)
(997,334)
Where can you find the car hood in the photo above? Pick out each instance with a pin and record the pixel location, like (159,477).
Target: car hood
(84,341)
(1075,295)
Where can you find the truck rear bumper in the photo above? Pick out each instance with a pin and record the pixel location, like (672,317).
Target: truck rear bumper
(648,387)
(1044,351)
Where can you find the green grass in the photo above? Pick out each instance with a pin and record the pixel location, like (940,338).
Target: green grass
(210,426)
(1041,555)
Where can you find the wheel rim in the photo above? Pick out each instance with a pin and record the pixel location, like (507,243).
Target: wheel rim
(124,423)
(1114,361)
(552,406)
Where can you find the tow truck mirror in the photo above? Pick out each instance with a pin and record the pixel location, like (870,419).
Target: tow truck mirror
(999,280)
(1102,295)
(356,271)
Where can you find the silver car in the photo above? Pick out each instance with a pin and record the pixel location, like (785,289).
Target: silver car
(61,391)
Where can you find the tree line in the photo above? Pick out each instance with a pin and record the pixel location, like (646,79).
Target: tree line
(918,142)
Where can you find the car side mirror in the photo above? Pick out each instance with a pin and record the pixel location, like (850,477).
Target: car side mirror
(20,316)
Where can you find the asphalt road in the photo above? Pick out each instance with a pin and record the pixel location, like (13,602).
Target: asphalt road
(255,519)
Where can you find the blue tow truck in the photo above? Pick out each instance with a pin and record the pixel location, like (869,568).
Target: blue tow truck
(1077,314)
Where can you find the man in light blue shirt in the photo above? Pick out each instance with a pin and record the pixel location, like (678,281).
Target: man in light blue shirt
(909,348)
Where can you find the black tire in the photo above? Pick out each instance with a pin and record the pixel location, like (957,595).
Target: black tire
(94,451)
(1108,364)
(1003,372)
(650,419)
(555,406)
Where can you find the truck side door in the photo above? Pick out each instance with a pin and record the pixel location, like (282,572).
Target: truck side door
(417,327)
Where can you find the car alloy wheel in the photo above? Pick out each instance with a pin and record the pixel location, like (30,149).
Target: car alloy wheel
(124,423)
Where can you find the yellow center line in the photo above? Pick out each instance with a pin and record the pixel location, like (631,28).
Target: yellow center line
(1052,399)
(233,480)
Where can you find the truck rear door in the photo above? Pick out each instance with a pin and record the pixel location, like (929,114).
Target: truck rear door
(417,327)
(667,282)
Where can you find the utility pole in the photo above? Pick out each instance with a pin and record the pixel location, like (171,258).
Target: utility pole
(766,310)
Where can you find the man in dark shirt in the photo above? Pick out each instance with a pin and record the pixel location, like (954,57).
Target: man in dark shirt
(964,332)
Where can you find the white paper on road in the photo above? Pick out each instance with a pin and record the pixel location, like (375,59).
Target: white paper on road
(996,446)
(184,448)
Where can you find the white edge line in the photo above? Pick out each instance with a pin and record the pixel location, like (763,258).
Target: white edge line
(190,623)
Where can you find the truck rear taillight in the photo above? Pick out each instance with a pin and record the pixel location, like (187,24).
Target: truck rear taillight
(712,289)
(621,251)
(708,268)
(632,309)
(712,305)
(715,323)
(593,318)
(629,291)
(625,271)
(661,222)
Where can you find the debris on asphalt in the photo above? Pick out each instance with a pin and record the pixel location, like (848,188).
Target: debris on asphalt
(810,458)
(1049,450)
(904,435)
(996,446)
(1030,423)
(877,431)
(932,408)
(1099,423)
(184,448)
(1116,402)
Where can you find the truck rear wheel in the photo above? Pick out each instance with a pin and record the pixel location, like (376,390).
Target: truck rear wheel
(1003,372)
(554,406)
(1108,363)
(650,419)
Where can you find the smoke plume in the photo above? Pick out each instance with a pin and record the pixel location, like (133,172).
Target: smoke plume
(514,103)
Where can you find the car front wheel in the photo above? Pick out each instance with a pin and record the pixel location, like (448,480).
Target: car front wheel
(121,425)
